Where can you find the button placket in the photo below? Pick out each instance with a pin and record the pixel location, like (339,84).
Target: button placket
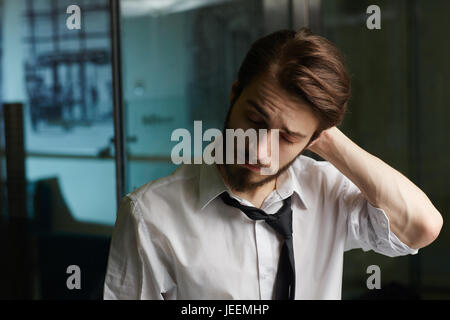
(267,264)
(263,260)
(258,255)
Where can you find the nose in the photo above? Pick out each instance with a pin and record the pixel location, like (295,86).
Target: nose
(263,151)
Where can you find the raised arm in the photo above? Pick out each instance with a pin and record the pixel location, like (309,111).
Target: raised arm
(413,218)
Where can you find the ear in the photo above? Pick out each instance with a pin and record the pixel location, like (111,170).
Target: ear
(234,90)
(315,135)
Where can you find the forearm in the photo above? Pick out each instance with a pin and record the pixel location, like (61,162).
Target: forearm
(413,218)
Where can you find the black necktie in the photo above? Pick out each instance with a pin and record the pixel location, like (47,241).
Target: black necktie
(282,223)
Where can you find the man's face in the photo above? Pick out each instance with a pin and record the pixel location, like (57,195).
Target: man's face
(263,104)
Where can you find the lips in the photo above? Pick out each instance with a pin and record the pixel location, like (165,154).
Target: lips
(252,167)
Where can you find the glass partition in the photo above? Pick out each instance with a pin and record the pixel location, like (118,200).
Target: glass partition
(179,61)
(61,79)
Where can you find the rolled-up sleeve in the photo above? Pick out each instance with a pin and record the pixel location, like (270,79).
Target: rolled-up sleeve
(134,270)
(367,226)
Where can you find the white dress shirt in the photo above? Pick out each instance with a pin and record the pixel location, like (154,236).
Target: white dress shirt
(175,239)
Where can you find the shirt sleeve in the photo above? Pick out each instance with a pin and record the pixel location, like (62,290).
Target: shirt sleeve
(134,269)
(368,227)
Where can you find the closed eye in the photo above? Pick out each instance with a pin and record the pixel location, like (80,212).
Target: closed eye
(256,121)
(287,140)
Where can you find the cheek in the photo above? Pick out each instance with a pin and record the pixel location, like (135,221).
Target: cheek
(288,152)
(238,120)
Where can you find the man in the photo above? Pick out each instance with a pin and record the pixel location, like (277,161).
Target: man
(226,231)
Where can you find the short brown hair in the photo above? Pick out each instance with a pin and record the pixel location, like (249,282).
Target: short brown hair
(306,65)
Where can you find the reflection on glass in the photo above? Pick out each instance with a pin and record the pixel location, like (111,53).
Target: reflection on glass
(63,78)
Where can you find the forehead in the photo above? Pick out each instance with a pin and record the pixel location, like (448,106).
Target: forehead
(266,90)
(268,94)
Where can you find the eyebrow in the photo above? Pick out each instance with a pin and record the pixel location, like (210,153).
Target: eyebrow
(258,108)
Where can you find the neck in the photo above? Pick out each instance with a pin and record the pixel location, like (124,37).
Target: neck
(255,196)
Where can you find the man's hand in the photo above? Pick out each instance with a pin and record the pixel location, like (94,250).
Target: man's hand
(322,143)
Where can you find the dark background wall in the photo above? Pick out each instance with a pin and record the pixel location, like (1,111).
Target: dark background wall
(399,112)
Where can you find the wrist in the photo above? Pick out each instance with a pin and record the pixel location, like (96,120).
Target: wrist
(326,144)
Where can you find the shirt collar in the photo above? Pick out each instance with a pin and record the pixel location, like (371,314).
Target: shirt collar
(211,185)
(288,184)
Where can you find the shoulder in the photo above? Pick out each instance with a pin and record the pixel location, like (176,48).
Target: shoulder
(157,199)
(318,174)
(304,165)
